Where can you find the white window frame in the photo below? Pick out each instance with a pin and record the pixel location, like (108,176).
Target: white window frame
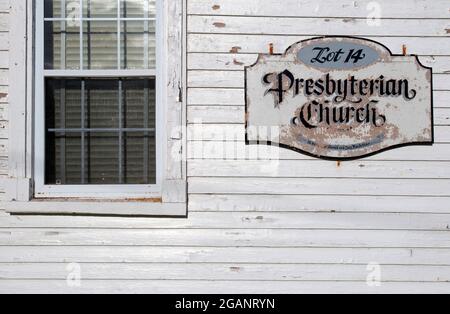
(26,192)
(117,191)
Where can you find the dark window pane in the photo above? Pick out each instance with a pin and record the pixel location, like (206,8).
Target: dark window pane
(138,8)
(139,95)
(62,46)
(102,103)
(138,45)
(56,9)
(103,158)
(100,131)
(100,8)
(139,148)
(100,45)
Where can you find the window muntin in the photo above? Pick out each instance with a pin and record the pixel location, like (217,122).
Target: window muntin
(100,113)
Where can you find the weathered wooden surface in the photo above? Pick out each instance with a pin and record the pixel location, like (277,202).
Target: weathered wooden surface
(316,225)
(323,8)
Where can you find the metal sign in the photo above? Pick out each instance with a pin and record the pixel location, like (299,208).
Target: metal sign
(339,98)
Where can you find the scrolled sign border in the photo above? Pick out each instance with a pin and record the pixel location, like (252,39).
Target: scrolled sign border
(295,149)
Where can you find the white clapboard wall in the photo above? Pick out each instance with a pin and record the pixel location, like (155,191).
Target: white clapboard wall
(257,224)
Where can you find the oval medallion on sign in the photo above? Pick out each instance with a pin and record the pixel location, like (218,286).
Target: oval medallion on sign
(338,55)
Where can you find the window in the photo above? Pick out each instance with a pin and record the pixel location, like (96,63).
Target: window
(97,108)
(97,119)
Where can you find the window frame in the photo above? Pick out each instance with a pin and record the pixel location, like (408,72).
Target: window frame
(116,191)
(170,201)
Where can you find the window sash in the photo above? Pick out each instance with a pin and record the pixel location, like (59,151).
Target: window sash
(91,190)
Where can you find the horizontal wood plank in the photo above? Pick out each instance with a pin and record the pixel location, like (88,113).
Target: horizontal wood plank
(318,203)
(215,287)
(316,26)
(4,60)
(4,21)
(226,238)
(324,8)
(237,62)
(221,43)
(4,41)
(233,272)
(4,77)
(4,5)
(322,186)
(244,220)
(82,254)
(319,169)
(239,151)
(235,79)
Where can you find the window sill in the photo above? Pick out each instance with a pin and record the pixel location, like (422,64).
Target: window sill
(96,208)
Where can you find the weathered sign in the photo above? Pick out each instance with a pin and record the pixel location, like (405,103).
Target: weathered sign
(339,98)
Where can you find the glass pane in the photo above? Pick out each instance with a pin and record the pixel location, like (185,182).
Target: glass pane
(138,45)
(100,45)
(103,152)
(102,104)
(139,103)
(62,45)
(138,8)
(103,158)
(54,9)
(63,159)
(64,95)
(100,8)
(139,158)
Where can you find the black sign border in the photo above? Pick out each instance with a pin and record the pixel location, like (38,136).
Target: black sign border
(276,144)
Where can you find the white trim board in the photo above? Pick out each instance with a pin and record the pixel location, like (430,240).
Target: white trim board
(100,208)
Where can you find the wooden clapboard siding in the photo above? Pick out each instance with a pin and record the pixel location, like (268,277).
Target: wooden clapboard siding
(219,255)
(209,237)
(235,79)
(225,43)
(225,175)
(290,225)
(324,8)
(236,62)
(318,203)
(316,26)
(319,169)
(233,272)
(4,6)
(247,220)
(239,151)
(219,286)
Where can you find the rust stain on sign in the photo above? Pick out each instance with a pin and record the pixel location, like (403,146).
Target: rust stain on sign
(3,95)
(216,7)
(339,98)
